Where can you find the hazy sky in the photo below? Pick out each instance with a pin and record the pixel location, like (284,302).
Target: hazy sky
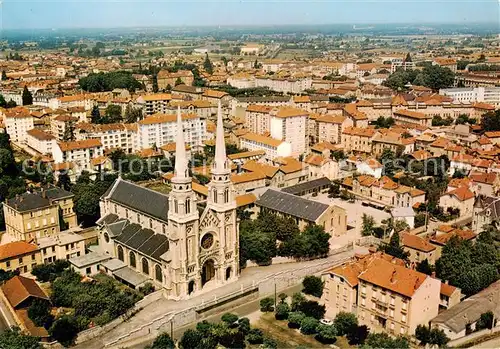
(19,14)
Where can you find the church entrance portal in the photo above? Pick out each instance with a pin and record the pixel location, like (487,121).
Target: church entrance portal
(207,272)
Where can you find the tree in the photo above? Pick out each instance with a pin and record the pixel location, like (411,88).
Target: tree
(132,114)
(309,325)
(313,242)
(382,122)
(95,115)
(255,244)
(178,82)
(255,336)
(295,319)
(244,325)
(267,304)
(297,300)
(327,334)
(368,223)
(112,114)
(422,333)
(102,82)
(4,75)
(282,297)
(437,77)
(69,131)
(490,121)
(282,311)
(63,181)
(27,97)
(39,313)
(383,340)
(313,309)
(269,343)
(13,338)
(64,330)
(358,336)
(425,267)
(345,323)
(394,248)
(313,285)
(11,104)
(190,339)
(3,102)
(155,83)
(400,225)
(486,321)
(207,65)
(163,341)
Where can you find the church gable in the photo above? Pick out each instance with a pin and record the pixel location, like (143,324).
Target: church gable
(208,219)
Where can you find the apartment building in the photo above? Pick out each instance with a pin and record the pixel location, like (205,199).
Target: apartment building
(357,139)
(490,95)
(18,121)
(290,125)
(40,213)
(155,103)
(167,79)
(401,63)
(112,136)
(19,256)
(241,80)
(203,108)
(257,118)
(394,141)
(40,141)
(60,123)
(83,100)
(79,153)
(396,299)
(160,129)
(64,245)
(445,62)
(330,128)
(412,117)
(273,147)
(285,85)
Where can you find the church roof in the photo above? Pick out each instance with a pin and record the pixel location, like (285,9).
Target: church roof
(141,199)
(143,240)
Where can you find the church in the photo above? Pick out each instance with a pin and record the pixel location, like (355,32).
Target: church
(172,240)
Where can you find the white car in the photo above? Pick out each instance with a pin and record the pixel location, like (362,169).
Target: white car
(326,321)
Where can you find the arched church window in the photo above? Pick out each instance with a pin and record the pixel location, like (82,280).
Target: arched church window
(188,206)
(214,195)
(132,259)
(176,206)
(226,196)
(120,253)
(158,273)
(145,266)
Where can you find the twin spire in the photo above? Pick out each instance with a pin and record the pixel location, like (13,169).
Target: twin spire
(181,161)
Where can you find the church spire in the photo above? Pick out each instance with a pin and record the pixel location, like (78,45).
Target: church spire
(181,168)
(220,161)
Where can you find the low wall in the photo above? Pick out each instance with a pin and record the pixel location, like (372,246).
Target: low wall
(473,337)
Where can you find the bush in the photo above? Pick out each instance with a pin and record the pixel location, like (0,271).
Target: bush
(163,341)
(345,323)
(267,305)
(486,321)
(313,285)
(309,325)
(282,297)
(255,336)
(190,339)
(297,299)
(244,325)
(295,319)
(327,334)
(229,318)
(358,337)
(269,343)
(282,311)
(49,272)
(147,288)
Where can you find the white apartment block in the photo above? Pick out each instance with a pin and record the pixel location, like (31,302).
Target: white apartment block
(161,129)
(285,85)
(241,80)
(13,95)
(400,63)
(40,141)
(257,118)
(18,121)
(66,102)
(290,125)
(490,95)
(154,103)
(273,147)
(112,136)
(78,152)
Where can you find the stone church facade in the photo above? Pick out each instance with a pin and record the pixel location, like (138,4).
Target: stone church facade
(172,240)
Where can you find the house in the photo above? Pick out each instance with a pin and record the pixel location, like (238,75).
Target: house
(450,296)
(64,245)
(79,153)
(88,264)
(441,239)
(484,183)
(273,147)
(313,187)
(19,255)
(40,141)
(370,167)
(304,212)
(418,248)
(18,121)
(461,319)
(486,211)
(461,198)
(167,79)
(412,117)
(321,166)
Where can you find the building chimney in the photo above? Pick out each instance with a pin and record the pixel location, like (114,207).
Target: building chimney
(393,276)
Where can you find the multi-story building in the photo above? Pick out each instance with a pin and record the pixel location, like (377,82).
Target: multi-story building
(357,139)
(241,80)
(412,117)
(79,153)
(83,100)
(285,85)
(290,125)
(40,141)
(61,123)
(166,78)
(257,118)
(19,256)
(161,129)
(273,147)
(41,213)
(18,121)
(445,62)
(154,103)
(393,141)
(64,245)
(330,128)
(490,95)
(401,63)
(112,136)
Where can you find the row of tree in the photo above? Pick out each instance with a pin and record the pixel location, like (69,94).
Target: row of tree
(102,82)
(431,76)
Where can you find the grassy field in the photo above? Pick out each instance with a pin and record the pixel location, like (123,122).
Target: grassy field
(291,338)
